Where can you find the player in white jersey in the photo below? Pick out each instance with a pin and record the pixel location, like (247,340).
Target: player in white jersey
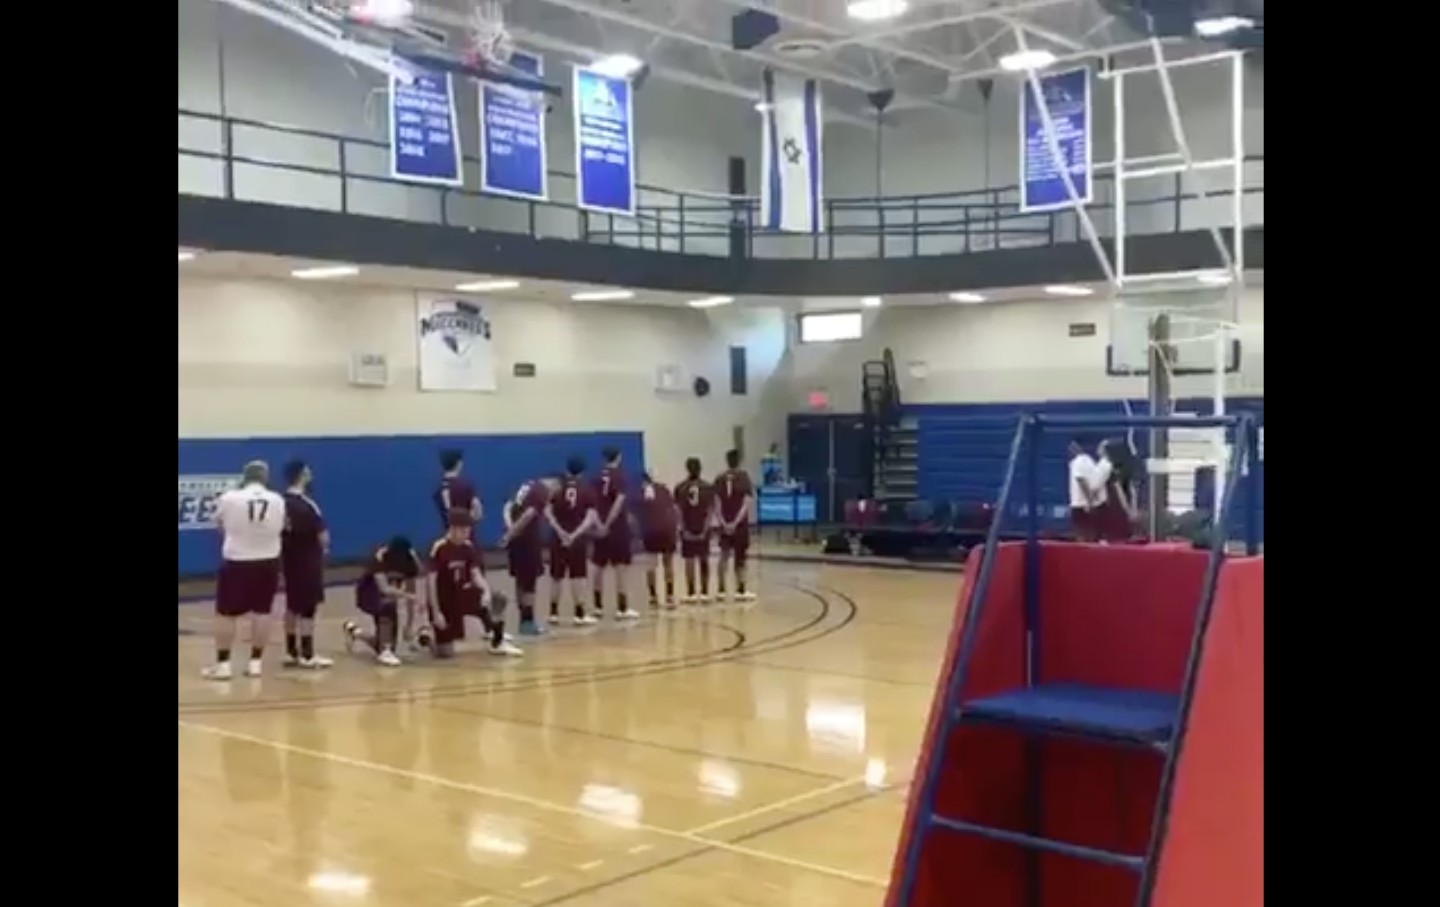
(251,519)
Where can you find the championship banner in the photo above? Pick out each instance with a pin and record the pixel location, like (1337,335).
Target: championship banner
(791,157)
(198,497)
(455,352)
(424,137)
(604,143)
(1042,183)
(512,135)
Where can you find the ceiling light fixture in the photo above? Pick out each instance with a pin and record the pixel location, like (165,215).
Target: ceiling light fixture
(617,66)
(1216,26)
(966,297)
(385,12)
(871,302)
(1024,60)
(325,273)
(487,286)
(876,10)
(1067,290)
(186,256)
(1214,279)
(602,295)
(710,302)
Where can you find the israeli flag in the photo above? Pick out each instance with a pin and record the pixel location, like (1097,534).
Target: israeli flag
(790,196)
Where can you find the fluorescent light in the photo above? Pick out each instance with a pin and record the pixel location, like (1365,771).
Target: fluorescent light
(762,107)
(386,12)
(710,302)
(1214,279)
(1067,290)
(487,286)
(1027,59)
(602,295)
(876,10)
(325,273)
(871,302)
(186,256)
(617,66)
(966,297)
(1221,25)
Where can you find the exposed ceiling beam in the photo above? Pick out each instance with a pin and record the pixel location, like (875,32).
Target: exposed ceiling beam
(924,25)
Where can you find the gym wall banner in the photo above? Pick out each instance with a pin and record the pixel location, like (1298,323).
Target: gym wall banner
(198,496)
(604,143)
(424,138)
(1042,184)
(512,135)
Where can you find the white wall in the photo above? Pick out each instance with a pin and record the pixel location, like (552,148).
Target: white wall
(269,358)
(684,136)
(1002,352)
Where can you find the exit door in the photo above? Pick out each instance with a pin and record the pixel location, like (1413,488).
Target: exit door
(831,455)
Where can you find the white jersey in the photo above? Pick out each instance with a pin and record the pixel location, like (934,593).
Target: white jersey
(1083,466)
(252,519)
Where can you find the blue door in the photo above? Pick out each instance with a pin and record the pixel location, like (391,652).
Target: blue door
(830,454)
(809,457)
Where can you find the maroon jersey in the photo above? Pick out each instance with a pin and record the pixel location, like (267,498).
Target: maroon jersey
(300,545)
(462,497)
(695,499)
(571,502)
(368,590)
(454,564)
(530,497)
(731,489)
(608,486)
(657,509)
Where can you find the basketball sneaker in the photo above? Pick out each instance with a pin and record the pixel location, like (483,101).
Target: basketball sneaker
(627,614)
(254,668)
(315,663)
(389,659)
(351,631)
(745,596)
(219,671)
(507,648)
(531,628)
(584,620)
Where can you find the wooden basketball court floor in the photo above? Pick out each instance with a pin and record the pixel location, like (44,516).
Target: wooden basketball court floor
(735,756)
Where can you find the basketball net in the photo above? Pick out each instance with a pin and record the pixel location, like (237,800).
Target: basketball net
(490,40)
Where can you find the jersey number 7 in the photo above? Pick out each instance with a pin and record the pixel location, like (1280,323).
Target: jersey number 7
(256,510)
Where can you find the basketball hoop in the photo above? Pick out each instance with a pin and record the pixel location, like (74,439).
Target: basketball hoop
(490,40)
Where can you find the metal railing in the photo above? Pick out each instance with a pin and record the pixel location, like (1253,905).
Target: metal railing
(249,160)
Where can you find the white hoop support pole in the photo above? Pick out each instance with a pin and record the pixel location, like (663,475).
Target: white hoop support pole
(1173,64)
(1057,160)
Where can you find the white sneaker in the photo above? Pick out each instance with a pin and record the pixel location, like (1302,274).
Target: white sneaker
(745,596)
(254,668)
(584,620)
(689,599)
(389,659)
(351,631)
(219,671)
(291,661)
(506,648)
(627,614)
(316,662)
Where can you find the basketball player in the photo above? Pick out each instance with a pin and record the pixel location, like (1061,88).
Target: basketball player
(1115,519)
(571,515)
(733,495)
(524,547)
(611,548)
(659,523)
(1087,494)
(303,547)
(695,500)
(458,589)
(387,583)
(251,519)
(455,491)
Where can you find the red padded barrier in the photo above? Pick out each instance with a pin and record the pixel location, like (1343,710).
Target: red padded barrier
(1215,847)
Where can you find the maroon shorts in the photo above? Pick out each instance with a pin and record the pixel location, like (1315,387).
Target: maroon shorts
(612,550)
(659,542)
(527,562)
(247,587)
(694,545)
(738,541)
(572,562)
(304,586)
(454,611)
(1112,522)
(1082,523)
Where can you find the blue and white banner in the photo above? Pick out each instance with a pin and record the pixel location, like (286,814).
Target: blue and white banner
(604,143)
(512,135)
(198,497)
(455,352)
(791,159)
(1042,183)
(424,138)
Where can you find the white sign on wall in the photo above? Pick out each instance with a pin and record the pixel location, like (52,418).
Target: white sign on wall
(455,352)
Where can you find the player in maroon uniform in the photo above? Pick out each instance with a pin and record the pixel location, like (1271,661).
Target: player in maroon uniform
(695,500)
(455,492)
(733,495)
(525,548)
(458,589)
(571,515)
(659,523)
(387,585)
(611,548)
(302,562)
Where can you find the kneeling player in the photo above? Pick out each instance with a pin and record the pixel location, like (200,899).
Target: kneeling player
(458,589)
(658,526)
(387,584)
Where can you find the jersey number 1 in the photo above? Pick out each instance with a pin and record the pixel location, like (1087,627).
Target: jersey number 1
(257,510)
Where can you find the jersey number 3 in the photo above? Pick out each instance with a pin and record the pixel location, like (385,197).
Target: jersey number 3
(256,510)
(572,496)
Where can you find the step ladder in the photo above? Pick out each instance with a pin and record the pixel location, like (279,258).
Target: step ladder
(1146,721)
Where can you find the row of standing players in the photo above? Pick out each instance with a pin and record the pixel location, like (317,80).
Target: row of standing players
(266,536)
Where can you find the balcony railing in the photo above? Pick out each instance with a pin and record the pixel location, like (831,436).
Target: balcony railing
(247,160)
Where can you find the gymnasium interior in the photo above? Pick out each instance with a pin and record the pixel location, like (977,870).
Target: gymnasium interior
(912,260)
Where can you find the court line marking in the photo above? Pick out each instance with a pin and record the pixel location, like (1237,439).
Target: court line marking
(593,864)
(535,882)
(476,902)
(777,805)
(535,803)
